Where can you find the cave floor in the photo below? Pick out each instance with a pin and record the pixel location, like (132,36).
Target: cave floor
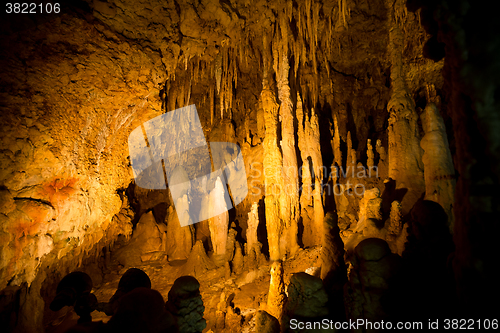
(246,292)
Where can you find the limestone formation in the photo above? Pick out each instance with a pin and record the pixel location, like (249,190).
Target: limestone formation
(185,303)
(198,263)
(276,298)
(272,163)
(405,154)
(311,175)
(332,252)
(370,207)
(337,153)
(383,162)
(218,224)
(265,323)
(179,239)
(439,171)
(75,85)
(369,154)
(396,233)
(351,157)
(252,225)
(289,199)
(148,241)
(238,260)
(230,243)
(369,220)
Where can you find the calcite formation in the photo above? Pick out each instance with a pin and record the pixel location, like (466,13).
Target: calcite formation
(180,240)
(272,169)
(266,323)
(252,225)
(289,198)
(218,224)
(311,175)
(276,298)
(439,171)
(332,252)
(404,153)
(347,74)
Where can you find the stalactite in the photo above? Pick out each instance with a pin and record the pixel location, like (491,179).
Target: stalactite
(218,70)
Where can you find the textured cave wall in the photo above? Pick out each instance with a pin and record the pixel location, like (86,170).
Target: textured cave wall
(71,92)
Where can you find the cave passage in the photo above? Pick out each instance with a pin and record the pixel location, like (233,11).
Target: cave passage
(248,166)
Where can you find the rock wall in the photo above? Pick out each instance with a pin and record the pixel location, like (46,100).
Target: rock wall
(72,90)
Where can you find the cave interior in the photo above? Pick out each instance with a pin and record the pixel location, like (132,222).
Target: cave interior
(248,166)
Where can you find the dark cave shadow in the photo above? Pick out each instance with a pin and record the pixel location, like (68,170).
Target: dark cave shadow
(261,229)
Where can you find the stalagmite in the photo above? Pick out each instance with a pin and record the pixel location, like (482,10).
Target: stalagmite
(395,219)
(405,154)
(332,251)
(218,224)
(396,233)
(309,145)
(439,171)
(272,161)
(180,239)
(252,225)
(276,298)
(351,158)
(305,172)
(369,154)
(382,167)
(290,199)
(370,214)
(337,153)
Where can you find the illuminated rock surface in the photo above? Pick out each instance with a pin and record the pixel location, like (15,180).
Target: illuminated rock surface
(383,114)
